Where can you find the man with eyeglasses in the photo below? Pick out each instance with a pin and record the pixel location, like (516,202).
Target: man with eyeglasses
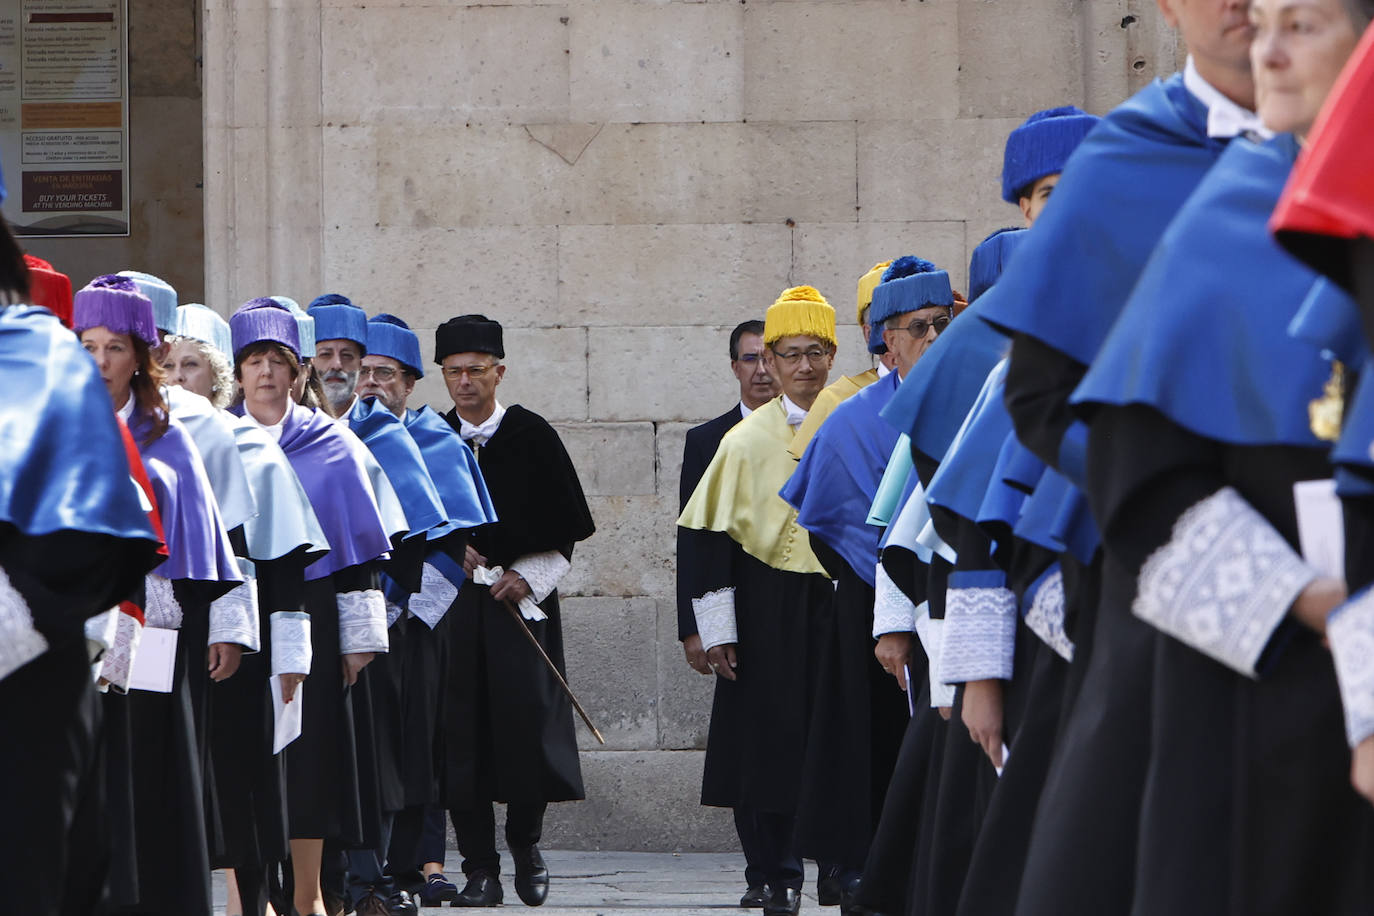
(859,714)
(756,388)
(507,729)
(756,586)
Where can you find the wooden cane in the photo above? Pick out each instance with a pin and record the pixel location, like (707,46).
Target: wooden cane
(553,669)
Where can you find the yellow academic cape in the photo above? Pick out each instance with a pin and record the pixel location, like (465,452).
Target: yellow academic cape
(829,398)
(738,494)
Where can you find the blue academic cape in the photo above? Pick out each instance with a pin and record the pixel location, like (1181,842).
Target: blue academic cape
(391,444)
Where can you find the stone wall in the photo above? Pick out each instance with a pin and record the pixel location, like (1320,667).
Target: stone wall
(620,182)
(166,214)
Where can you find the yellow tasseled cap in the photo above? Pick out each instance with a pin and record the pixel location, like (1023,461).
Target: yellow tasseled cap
(866,284)
(800,310)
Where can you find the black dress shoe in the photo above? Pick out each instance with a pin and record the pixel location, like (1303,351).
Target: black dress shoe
(402,904)
(849,898)
(531,875)
(828,887)
(756,896)
(482,889)
(438,890)
(784,901)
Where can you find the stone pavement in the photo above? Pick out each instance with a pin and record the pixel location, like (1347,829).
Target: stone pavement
(611,883)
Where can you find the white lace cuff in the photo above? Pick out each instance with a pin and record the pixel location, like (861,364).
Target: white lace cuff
(542,572)
(931,633)
(1045,612)
(1350,631)
(291,653)
(362,622)
(715,613)
(893,611)
(393,613)
(20,641)
(435,597)
(980,629)
(100,633)
(118,660)
(161,609)
(234,617)
(1223,582)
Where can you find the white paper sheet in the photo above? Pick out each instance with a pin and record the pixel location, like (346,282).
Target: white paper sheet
(1321,526)
(155,661)
(286,717)
(910,693)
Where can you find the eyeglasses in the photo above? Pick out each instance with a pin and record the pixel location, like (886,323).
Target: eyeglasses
(380,373)
(815,356)
(472,372)
(750,359)
(919,327)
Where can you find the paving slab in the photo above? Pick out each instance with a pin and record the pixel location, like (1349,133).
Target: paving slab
(648,883)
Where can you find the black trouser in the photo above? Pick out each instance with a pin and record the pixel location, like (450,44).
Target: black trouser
(772,849)
(476,832)
(748,832)
(366,867)
(433,841)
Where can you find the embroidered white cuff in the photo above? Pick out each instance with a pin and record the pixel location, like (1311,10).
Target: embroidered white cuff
(893,611)
(715,613)
(931,633)
(118,660)
(1045,613)
(100,633)
(161,609)
(528,609)
(291,653)
(362,622)
(1223,582)
(20,641)
(234,617)
(393,613)
(542,572)
(980,633)
(435,597)
(1350,631)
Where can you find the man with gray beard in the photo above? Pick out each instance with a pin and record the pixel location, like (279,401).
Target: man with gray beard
(340,342)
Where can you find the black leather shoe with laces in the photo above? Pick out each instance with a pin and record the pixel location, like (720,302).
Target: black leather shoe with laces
(482,889)
(531,875)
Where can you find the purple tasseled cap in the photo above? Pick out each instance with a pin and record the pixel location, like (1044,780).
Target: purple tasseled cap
(115,303)
(264,319)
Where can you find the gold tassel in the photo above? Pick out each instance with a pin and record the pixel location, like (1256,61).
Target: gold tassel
(1324,413)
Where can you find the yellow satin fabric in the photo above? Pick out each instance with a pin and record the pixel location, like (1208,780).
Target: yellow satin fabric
(738,494)
(829,398)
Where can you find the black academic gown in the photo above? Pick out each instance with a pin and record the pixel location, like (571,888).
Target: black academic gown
(1247,805)
(697,451)
(507,727)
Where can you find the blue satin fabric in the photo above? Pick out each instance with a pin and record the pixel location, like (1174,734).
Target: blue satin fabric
(1357,436)
(453,468)
(53,394)
(339,490)
(1204,337)
(198,546)
(1069,279)
(961,483)
(390,443)
(1056,516)
(285,521)
(1330,319)
(833,487)
(1006,495)
(212,433)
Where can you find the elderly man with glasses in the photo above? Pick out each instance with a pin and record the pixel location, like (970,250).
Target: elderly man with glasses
(507,728)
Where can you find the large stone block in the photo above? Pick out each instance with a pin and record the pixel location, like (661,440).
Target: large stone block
(612,667)
(832,257)
(163,49)
(934,170)
(656,62)
(546,371)
(859,60)
(641,800)
(1041,36)
(487,63)
(427,276)
(718,274)
(691,363)
(612,459)
(632,550)
(684,696)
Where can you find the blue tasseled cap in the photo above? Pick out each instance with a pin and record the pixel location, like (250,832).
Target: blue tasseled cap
(264,319)
(1041,146)
(990,258)
(337,318)
(305,325)
(116,303)
(161,294)
(909,283)
(204,323)
(388,335)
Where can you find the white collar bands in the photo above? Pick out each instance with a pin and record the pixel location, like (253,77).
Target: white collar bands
(1225,119)
(478,434)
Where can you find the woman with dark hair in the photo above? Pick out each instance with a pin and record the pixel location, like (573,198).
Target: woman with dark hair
(347,613)
(117,328)
(74,541)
